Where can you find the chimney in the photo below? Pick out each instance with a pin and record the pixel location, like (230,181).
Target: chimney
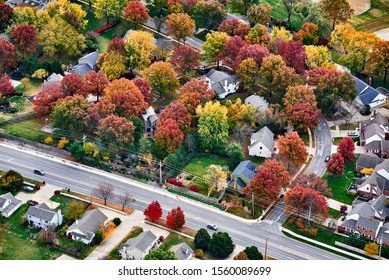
(76,222)
(374,113)
(234,183)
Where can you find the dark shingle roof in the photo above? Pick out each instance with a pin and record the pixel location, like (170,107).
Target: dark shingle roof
(368,160)
(218,79)
(182,251)
(245,168)
(89,223)
(41,211)
(142,241)
(368,223)
(365,92)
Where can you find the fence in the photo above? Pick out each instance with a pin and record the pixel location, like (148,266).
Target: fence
(18,119)
(360,251)
(67,250)
(194,194)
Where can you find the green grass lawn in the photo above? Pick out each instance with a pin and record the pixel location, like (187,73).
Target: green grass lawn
(174,239)
(15,243)
(64,201)
(340,184)
(239,211)
(20,102)
(333,213)
(29,129)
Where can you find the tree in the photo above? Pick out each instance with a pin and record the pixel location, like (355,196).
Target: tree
(116,132)
(185,60)
(46,99)
(47,235)
(198,86)
(336,165)
(318,56)
(73,85)
(180,25)
(239,112)
(241,256)
(299,94)
(161,254)
(168,136)
(7,55)
(74,211)
(125,199)
(256,52)
(380,57)
(95,83)
(259,13)
(279,35)
(308,34)
(212,125)
(289,6)
(278,169)
(292,147)
(216,177)
(232,48)
(213,47)
(6,87)
(153,211)
(117,45)
(139,48)
(161,77)
(202,239)
(111,64)
(258,35)
(136,13)
(371,249)
(293,53)
(241,6)
(128,103)
(71,114)
(5,16)
(144,88)
(241,132)
(336,10)
(24,37)
(221,245)
(234,152)
(253,253)
(11,181)
(234,27)
(177,112)
(314,182)
(346,148)
(208,14)
(303,116)
(108,8)
(175,219)
(308,202)
(120,85)
(248,74)
(77,150)
(104,191)
(264,185)
(270,64)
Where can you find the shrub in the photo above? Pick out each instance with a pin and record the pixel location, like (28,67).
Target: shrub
(194,188)
(174,182)
(199,253)
(190,177)
(117,221)
(104,28)
(99,236)
(37,187)
(161,238)
(48,140)
(323,42)
(57,192)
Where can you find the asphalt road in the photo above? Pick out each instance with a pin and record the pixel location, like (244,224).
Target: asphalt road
(83,179)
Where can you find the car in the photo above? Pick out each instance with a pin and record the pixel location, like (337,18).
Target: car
(327,158)
(32,202)
(352,133)
(28,189)
(39,172)
(211,226)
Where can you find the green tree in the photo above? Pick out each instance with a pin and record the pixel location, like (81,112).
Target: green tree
(235,154)
(109,8)
(253,253)
(336,10)
(160,254)
(213,47)
(208,14)
(77,150)
(11,180)
(74,211)
(216,177)
(221,245)
(202,239)
(241,6)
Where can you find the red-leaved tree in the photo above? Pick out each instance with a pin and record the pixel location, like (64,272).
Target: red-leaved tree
(346,148)
(293,53)
(292,147)
(175,218)
(168,136)
(232,48)
(177,112)
(25,39)
(117,45)
(336,165)
(7,55)
(6,87)
(96,83)
(282,174)
(256,52)
(234,27)
(128,103)
(264,185)
(153,211)
(314,182)
(144,88)
(45,101)
(199,86)
(72,85)
(184,61)
(136,13)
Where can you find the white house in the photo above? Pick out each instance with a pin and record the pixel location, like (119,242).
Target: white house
(42,216)
(368,95)
(262,143)
(85,228)
(222,83)
(8,204)
(138,247)
(258,102)
(150,120)
(182,251)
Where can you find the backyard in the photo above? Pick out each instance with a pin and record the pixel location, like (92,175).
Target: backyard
(28,129)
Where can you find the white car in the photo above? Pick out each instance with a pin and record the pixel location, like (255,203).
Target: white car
(352,133)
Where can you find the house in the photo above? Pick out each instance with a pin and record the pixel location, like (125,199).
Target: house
(8,204)
(262,143)
(182,251)
(138,247)
(222,83)
(258,102)
(86,64)
(42,216)
(367,219)
(150,120)
(53,78)
(242,175)
(368,95)
(376,183)
(368,160)
(85,228)
(374,136)
(40,4)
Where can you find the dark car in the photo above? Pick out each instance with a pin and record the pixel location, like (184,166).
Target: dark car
(327,158)
(211,226)
(39,172)
(32,202)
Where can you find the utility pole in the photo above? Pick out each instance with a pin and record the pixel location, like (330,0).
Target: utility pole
(252,199)
(160,172)
(83,139)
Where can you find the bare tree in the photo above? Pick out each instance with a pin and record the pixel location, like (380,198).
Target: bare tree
(349,113)
(126,199)
(104,191)
(47,235)
(241,132)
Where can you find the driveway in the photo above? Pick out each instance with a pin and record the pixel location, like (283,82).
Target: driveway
(43,195)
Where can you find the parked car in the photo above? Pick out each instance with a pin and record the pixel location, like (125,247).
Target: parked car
(39,172)
(211,226)
(365,110)
(327,158)
(32,202)
(352,133)
(28,189)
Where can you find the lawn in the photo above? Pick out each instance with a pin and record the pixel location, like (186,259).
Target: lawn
(21,103)
(174,239)
(64,201)
(333,213)
(32,89)
(374,19)
(340,184)
(29,129)
(239,211)
(15,243)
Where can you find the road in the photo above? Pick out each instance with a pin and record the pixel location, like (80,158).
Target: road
(81,179)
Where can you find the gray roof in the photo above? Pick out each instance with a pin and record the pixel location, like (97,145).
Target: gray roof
(257,102)
(368,160)
(86,63)
(142,241)
(376,179)
(368,223)
(264,136)
(366,93)
(81,69)
(218,79)
(245,168)
(9,197)
(182,251)
(89,223)
(54,77)
(41,211)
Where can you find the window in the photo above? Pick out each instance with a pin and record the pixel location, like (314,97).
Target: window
(260,148)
